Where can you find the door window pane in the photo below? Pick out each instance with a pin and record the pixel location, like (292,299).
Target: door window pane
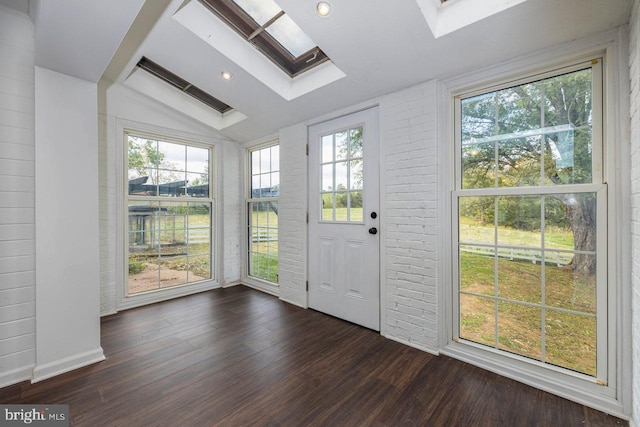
(342,171)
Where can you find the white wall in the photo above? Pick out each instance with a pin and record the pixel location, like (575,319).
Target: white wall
(17,200)
(634,72)
(408,121)
(67,263)
(409,220)
(292,214)
(118,104)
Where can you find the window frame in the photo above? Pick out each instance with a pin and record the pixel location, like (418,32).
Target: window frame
(608,396)
(124,128)
(254,281)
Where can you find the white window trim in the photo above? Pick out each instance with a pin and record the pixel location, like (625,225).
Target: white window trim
(143,129)
(251,281)
(612,46)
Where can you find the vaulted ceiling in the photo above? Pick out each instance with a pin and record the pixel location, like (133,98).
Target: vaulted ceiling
(377,45)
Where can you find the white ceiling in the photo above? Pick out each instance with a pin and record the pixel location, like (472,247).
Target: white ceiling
(381,46)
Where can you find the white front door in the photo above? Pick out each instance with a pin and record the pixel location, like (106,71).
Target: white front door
(344,218)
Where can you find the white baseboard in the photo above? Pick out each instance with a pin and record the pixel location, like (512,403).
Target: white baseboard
(412,344)
(51,369)
(16,376)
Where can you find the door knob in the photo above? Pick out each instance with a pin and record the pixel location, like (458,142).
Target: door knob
(373,230)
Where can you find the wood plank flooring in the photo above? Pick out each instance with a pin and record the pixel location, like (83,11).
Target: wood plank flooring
(236,357)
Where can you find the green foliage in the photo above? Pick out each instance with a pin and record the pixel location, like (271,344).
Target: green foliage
(136,267)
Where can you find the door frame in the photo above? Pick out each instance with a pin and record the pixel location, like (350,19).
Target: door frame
(381,209)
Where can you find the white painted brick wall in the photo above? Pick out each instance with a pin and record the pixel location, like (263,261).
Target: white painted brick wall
(410,168)
(17,197)
(634,71)
(232,205)
(107,194)
(292,213)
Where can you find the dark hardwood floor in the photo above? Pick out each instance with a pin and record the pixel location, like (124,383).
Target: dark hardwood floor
(236,357)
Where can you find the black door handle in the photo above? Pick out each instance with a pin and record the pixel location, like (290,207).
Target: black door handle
(373,230)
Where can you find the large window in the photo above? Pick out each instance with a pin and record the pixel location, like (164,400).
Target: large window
(170,213)
(264,190)
(531,220)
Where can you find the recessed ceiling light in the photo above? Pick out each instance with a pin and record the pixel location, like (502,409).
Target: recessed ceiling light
(226,75)
(323,8)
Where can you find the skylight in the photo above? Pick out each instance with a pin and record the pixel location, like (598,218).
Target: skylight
(264,24)
(183,85)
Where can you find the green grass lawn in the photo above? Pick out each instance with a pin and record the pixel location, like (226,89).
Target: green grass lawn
(554,238)
(569,339)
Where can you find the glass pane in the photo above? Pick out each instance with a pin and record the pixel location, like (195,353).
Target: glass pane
(171,156)
(143,183)
(171,183)
(520,275)
(342,148)
(477,319)
(265,185)
(568,99)
(519,329)
(198,160)
(257,210)
(260,10)
(198,224)
(519,108)
(341,175)
(478,165)
(355,175)
(355,212)
(570,289)
(568,157)
(290,36)
(355,143)
(519,162)
(255,162)
(550,117)
(327,177)
(143,153)
(265,160)
(571,341)
(255,186)
(143,274)
(275,184)
(341,207)
(142,229)
(173,271)
(327,148)
(197,185)
(570,223)
(478,117)
(271,214)
(476,223)
(327,207)
(199,268)
(519,221)
(558,232)
(477,270)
